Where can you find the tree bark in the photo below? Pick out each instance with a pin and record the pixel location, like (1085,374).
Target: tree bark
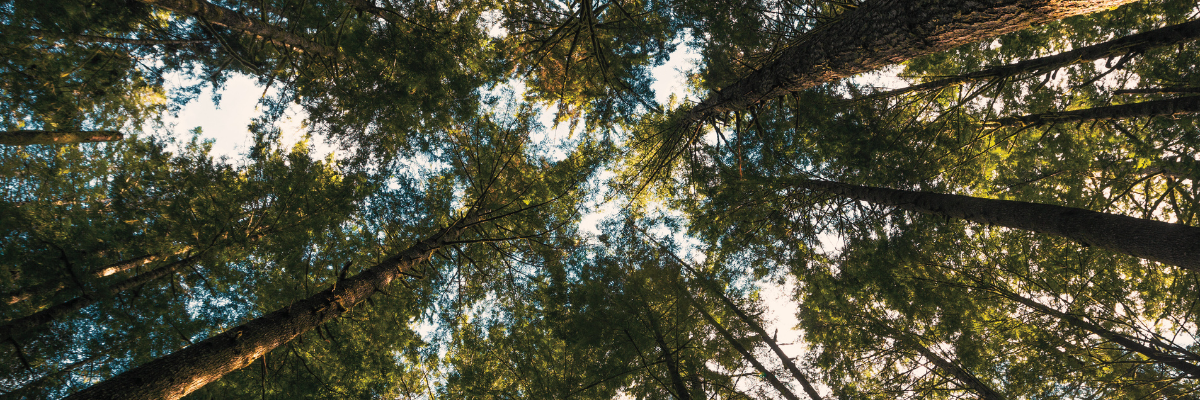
(1126,341)
(882,33)
(672,366)
(25,293)
(28,137)
(182,372)
(12,329)
(1136,43)
(1156,108)
(234,20)
(102,39)
(766,373)
(1174,244)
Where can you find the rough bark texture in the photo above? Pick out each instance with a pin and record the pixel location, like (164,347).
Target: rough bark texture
(886,32)
(1136,43)
(766,373)
(1156,108)
(1175,244)
(1124,340)
(22,138)
(234,20)
(12,329)
(182,372)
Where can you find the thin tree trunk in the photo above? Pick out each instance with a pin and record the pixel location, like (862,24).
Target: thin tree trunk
(766,373)
(783,357)
(1174,244)
(881,33)
(1159,90)
(16,327)
(28,137)
(234,20)
(1124,340)
(1136,43)
(182,372)
(44,288)
(964,377)
(1156,108)
(672,366)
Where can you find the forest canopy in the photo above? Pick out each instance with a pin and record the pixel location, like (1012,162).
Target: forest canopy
(1014,216)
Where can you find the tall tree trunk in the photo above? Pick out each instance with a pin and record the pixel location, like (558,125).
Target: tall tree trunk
(12,329)
(182,372)
(234,20)
(732,340)
(682,392)
(881,33)
(28,137)
(1156,108)
(1126,341)
(1175,244)
(964,377)
(46,288)
(1158,90)
(783,357)
(22,294)
(1136,43)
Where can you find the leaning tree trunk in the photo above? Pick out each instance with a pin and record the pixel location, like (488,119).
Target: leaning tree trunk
(1158,90)
(732,340)
(1174,244)
(1156,108)
(16,327)
(28,137)
(672,364)
(184,371)
(1126,341)
(234,20)
(881,33)
(964,377)
(1136,43)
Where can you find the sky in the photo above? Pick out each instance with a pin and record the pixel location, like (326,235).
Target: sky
(227,124)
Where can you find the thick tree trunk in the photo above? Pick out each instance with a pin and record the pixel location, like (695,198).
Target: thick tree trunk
(732,340)
(234,20)
(182,372)
(12,329)
(1159,90)
(1136,43)
(22,138)
(1156,108)
(1130,343)
(1175,244)
(882,33)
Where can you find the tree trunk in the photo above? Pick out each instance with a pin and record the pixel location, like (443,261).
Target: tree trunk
(1156,108)
(12,329)
(1174,244)
(783,357)
(1159,90)
(179,373)
(1124,340)
(25,293)
(964,377)
(234,20)
(766,373)
(882,33)
(101,39)
(22,138)
(1136,43)
(672,366)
